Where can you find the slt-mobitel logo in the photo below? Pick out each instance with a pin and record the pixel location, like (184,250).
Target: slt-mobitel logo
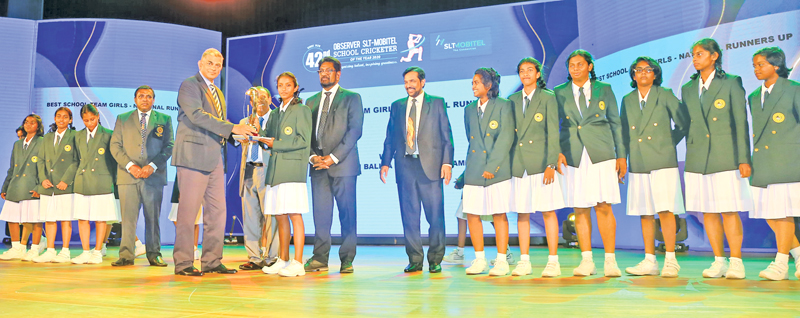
(459,46)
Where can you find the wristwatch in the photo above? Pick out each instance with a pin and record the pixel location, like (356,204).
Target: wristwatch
(551,166)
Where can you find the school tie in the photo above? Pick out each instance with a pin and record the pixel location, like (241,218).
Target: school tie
(254,146)
(704,92)
(480,113)
(641,105)
(411,134)
(217,103)
(766,95)
(582,99)
(525,105)
(324,116)
(142,131)
(24,146)
(58,140)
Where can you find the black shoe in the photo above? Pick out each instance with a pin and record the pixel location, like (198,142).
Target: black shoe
(347,268)
(413,268)
(122,262)
(158,261)
(221,269)
(315,266)
(190,271)
(435,268)
(251,266)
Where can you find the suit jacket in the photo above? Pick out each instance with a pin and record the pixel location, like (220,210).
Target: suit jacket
(245,151)
(126,143)
(96,168)
(201,135)
(288,161)
(649,137)
(343,128)
(434,136)
(536,141)
(717,139)
(23,173)
(776,133)
(490,140)
(597,128)
(58,163)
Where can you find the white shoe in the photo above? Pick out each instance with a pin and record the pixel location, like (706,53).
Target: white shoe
(478,266)
(797,269)
(670,269)
(717,269)
(294,269)
(62,257)
(644,268)
(500,268)
(83,258)
(196,254)
(735,271)
(33,252)
(523,268)
(13,253)
(552,269)
(140,249)
(610,268)
(105,250)
(585,268)
(47,257)
(509,259)
(454,258)
(775,271)
(96,257)
(276,267)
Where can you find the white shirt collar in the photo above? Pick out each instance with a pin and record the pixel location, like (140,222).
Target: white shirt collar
(530,96)
(645,95)
(767,89)
(208,82)
(707,83)
(285,104)
(91,133)
(27,142)
(139,112)
(61,134)
(483,106)
(333,90)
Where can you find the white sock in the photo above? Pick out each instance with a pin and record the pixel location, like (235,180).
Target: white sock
(670,255)
(525,257)
(35,247)
(650,257)
(552,258)
(586,255)
(480,254)
(781,258)
(87,251)
(65,250)
(720,258)
(611,256)
(51,250)
(105,245)
(460,250)
(501,257)
(15,245)
(736,259)
(795,253)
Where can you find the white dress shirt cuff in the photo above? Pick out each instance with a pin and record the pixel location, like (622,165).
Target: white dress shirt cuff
(154,166)
(128,166)
(335,160)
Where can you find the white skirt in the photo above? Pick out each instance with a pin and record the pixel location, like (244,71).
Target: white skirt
(494,199)
(776,201)
(531,195)
(54,208)
(102,207)
(25,211)
(656,191)
(285,198)
(591,183)
(460,213)
(173,214)
(724,191)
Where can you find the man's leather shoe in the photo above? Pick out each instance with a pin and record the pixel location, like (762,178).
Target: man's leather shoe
(190,271)
(347,268)
(412,268)
(271,262)
(251,266)
(158,261)
(122,262)
(315,266)
(221,269)
(435,268)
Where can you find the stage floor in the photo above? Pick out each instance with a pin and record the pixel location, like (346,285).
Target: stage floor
(380,288)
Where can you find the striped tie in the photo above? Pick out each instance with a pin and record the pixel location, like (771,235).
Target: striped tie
(143,131)
(217,103)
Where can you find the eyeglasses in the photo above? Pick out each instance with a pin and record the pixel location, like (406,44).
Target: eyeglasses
(327,71)
(645,70)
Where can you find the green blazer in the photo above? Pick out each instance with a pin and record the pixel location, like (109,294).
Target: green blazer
(536,143)
(58,163)
(718,133)
(776,133)
(649,137)
(96,168)
(598,129)
(490,140)
(23,173)
(288,161)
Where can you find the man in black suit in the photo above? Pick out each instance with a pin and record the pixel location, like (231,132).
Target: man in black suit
(419,139)
(338,118)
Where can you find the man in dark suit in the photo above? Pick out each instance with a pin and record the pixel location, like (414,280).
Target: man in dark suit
(203,132)
(338,118)
(141,144)
(419,139)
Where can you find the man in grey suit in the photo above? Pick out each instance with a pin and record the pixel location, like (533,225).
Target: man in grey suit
(419,139)
(260,240)
(203,132)
(141,144)
(338,118)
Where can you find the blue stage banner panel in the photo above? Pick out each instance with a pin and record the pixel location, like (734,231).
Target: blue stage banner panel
(80,61)
(451,45)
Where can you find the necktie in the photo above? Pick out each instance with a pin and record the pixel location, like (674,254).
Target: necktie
(217,103)
(641,105)
(89,139)
(142,131)
(766,95)
(411,133)
(704,92)
(324,116)
(480,112)
(24,146)
(58,140)
(525,105)
(582,99)
(254,146)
